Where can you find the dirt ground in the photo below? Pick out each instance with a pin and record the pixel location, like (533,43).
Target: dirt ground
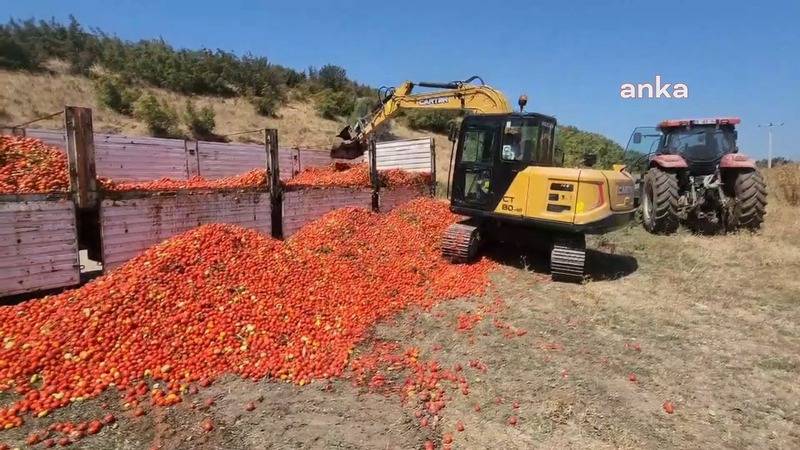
(709,324)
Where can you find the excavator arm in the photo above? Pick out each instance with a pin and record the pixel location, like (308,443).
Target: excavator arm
(456,95)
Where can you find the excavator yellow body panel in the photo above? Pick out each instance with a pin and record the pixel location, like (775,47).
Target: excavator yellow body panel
(568,196)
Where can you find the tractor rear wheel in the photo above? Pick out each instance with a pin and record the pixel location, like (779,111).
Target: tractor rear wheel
(751,200)
(660,201)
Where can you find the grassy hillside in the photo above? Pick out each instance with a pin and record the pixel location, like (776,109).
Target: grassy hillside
(28,95)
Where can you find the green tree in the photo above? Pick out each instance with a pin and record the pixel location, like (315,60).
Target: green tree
(334,104)
(333,77)
(160,118)
(362,107)
(112,92)
(575,143)
(15,56)
(200,122)
(436,121)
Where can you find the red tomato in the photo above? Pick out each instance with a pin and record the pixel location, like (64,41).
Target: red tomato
(207,425)
(32,439)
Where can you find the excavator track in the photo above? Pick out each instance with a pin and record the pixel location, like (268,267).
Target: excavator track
(460,242)
(567,260)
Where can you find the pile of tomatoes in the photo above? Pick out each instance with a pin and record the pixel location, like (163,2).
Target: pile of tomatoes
(256,178)
(355,175)
(333,175)
(223,299)
(28,166)
(396,178)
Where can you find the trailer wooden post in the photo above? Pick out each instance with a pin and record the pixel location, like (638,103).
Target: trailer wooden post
(192,149)
(80,153)
(433,167)
(275,189)
(373,176)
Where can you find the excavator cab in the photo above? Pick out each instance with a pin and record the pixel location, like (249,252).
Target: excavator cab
(492,149)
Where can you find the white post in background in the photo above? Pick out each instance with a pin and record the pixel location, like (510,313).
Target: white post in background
(769,127)
(769,151)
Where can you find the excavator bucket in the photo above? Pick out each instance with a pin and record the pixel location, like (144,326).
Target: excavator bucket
(346,133)
(348,150)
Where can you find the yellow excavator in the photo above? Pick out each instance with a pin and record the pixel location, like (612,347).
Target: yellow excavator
(507,176)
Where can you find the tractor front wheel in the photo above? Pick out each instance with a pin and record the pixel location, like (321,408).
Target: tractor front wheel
(660,201)
(751,200)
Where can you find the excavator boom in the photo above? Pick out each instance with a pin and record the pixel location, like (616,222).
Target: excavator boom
(455,95)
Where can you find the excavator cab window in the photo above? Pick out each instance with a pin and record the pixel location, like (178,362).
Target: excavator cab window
(547,156)
(478,145)
(520,141)
(476,159)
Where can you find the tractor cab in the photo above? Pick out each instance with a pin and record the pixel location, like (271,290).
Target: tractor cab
(700,142)
(492,149)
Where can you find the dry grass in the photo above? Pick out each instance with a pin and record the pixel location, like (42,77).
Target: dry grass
(26,96)
(718,322)
(784,184)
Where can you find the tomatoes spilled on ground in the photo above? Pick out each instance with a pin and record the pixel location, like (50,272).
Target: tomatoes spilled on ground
(355,175)
(466,321)
(28,166)
(223,299)
(421,384)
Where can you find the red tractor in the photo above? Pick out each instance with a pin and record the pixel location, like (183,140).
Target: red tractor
(695,175)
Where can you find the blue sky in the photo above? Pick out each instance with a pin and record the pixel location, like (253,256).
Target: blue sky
(570,58)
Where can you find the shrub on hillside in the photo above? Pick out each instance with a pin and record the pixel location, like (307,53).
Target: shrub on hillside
(574,143)
(200,122)
(112,93)
(436,121)
(333,77)
(266,106)
(13,55)
(268,98)
(362,107)
(160,118)
(332,104)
